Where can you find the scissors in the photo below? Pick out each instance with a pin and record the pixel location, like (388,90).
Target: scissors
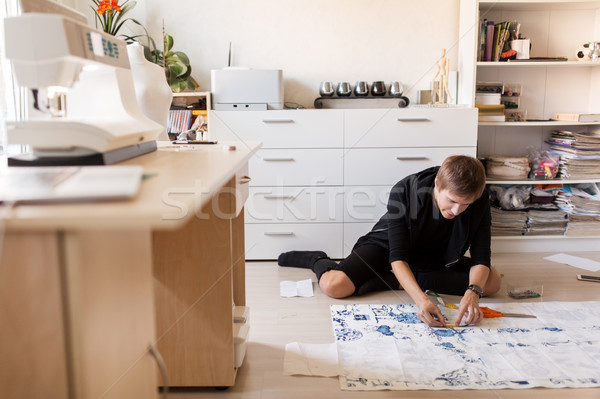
(440,300)
(487,313)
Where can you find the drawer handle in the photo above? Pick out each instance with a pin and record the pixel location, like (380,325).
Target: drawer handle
(279,233)
(278,121)
(279,197)
(412,158)
(245,179)
(413,120)
(281,159)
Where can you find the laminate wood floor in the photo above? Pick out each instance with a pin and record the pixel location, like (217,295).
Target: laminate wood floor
(276,321)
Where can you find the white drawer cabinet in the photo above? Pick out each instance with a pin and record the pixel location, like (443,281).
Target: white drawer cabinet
(410,127)
(352,232)
(322,178)
(267,241)
(295,205)
(365,203)
(379,166)
(280,129)
(297,167)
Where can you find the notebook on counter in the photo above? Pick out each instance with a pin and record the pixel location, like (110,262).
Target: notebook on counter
(69,183)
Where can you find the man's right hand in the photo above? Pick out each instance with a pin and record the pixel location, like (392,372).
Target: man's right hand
(427,311)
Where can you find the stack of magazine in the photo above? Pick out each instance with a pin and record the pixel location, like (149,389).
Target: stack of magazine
(525,210)
(542,222)
(579,153)
(582,203)
(508,223)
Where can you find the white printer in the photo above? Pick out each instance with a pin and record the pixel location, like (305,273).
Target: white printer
(245,89)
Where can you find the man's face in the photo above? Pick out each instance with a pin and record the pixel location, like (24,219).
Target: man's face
(449,204)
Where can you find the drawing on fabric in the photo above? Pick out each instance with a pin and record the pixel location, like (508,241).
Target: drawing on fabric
(388,347)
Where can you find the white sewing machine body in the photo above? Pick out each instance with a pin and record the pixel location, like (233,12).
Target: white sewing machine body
(102,122)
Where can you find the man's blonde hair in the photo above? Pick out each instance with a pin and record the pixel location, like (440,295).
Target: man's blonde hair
(462,175)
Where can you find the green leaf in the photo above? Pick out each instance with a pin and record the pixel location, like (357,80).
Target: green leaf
(168,42)
(184,58)
(192,84)
(178,86)
(117,27)
(177,70)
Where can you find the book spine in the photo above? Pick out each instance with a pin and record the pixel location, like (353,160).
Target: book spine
(489,39)
(496,42)
(567,117)
(481,47)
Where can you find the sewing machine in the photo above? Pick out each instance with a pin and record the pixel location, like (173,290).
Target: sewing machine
(84,107)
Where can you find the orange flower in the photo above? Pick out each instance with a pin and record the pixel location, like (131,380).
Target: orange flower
(105,6)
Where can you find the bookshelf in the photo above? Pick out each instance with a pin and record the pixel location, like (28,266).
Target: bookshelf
(555,28)
(179,118)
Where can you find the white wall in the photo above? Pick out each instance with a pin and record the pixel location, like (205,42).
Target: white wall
(310,40)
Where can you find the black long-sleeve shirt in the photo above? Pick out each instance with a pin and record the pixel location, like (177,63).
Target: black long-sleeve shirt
(413,229)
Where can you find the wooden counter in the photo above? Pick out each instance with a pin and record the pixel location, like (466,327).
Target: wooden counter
(87,288)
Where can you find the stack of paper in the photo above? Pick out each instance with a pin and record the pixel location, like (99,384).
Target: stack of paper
(541,222)
(508,223)
(583,207)
(579,153)
(583,225)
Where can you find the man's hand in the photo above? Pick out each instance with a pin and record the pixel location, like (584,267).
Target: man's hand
(426,312)
(469,308)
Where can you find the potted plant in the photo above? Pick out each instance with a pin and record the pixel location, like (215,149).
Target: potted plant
(175,63)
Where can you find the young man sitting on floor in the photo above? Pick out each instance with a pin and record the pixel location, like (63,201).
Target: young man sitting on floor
(433,217)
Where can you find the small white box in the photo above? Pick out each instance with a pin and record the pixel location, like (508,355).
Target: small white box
(246,89)
(487,98)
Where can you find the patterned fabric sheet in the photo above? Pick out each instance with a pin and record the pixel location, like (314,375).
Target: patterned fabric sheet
(388,347)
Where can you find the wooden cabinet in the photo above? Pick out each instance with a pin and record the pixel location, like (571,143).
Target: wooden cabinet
(323,176)
(198,280)
(77,315)
(83,286)
(555,28)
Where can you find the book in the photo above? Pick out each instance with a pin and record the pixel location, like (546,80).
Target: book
(481,43)
(577,117)
(496,41)
(491,109)
(492,118)
(487,98)
(489,40)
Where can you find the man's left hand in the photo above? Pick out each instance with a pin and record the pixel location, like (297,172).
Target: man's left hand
(469,308)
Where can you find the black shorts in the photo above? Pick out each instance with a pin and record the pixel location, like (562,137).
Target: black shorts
(368,261)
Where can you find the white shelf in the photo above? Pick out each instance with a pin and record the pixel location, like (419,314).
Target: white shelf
(192,94)
(538,123)
(547,237)
(513,64)
(553,181)
(536,5)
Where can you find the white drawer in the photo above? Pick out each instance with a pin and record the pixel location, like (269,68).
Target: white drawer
(411,127)
(267,241)
(297,167)
(365,203)
(280,129)
(386,166)
(352,232)
(295,205)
